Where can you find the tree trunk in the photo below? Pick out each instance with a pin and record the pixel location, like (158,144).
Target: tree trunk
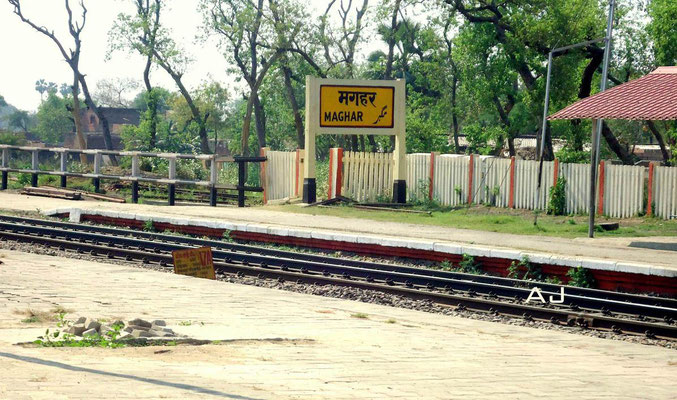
(108,141)
(151,102)
(353,141)
(82,143)
(372,143)
(246,125)
(298,122)
(511,145)
(260,115)
(454,113)
(615,146)
(660,140)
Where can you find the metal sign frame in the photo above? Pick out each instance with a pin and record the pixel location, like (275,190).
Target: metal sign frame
(314,128)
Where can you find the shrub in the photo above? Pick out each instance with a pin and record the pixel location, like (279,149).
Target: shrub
(557,197)
(469,266)
(581,277)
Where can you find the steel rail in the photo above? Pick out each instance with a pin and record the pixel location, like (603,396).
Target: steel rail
(467,301)
(410,278)
(295,257)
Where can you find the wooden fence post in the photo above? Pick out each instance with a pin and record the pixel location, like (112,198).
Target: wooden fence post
(431,182)
(555,172)
(600,190)
(511,200)
(471,170)
(649,209)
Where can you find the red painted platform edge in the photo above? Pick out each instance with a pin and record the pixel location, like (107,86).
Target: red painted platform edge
(606,280)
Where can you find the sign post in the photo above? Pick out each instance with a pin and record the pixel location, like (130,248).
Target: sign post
(355,107)
(194,262)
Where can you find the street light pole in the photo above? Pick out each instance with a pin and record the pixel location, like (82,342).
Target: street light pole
(594,153)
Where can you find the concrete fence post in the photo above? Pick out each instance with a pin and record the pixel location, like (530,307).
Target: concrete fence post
(335,172)
(64,168)
(35,165)
(555,172)
(511,199)
(649,208)
(331,178)
(471,170)
(135,165)
(5,164)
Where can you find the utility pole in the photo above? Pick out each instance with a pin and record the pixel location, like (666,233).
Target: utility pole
(594,153)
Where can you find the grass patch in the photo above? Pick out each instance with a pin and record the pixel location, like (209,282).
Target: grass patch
(494,219)
(360,316)
(391,321)
(37,317)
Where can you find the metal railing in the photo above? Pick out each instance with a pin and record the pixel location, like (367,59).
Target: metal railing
(171,181)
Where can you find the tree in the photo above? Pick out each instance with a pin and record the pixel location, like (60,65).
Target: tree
(526,31)
(343,40)
(53,120)
(144,33)
(19,119)
(3,103)
(140,33)
(247,39)
(72,58)
(42,87)
(112,92)
(663,30)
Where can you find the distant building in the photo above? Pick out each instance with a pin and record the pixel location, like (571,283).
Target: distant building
(93,129)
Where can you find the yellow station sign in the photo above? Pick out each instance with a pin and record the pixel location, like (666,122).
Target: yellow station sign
(356,106)
(194,262)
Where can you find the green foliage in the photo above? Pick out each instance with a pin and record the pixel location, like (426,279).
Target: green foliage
(12,138)
(568,155)
(581,277)
(469,266)
(557,197)
(54,121)
(60,338)
(149,226)
(663,30)
(531,271)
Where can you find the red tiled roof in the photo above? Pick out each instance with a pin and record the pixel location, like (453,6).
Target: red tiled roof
(651,97)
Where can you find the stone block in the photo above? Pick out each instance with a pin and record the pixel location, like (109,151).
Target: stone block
(140,322)
(158,322)
(477,251)
(92,324)
(418,245)
(76,329)
(158,333)
(104,329)
(448,248)
(137,327)
(80,320)
(90,332)
(137,333)
(505,254)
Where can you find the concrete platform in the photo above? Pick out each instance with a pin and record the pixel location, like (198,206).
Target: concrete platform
(328,352)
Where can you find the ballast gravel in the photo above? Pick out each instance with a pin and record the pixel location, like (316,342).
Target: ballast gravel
(357,294)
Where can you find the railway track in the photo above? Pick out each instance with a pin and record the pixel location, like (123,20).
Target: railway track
(588,308)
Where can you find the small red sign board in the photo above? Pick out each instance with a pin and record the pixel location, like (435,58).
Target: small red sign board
(194,262)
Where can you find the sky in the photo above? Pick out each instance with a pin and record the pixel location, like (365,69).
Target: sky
(28,55)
